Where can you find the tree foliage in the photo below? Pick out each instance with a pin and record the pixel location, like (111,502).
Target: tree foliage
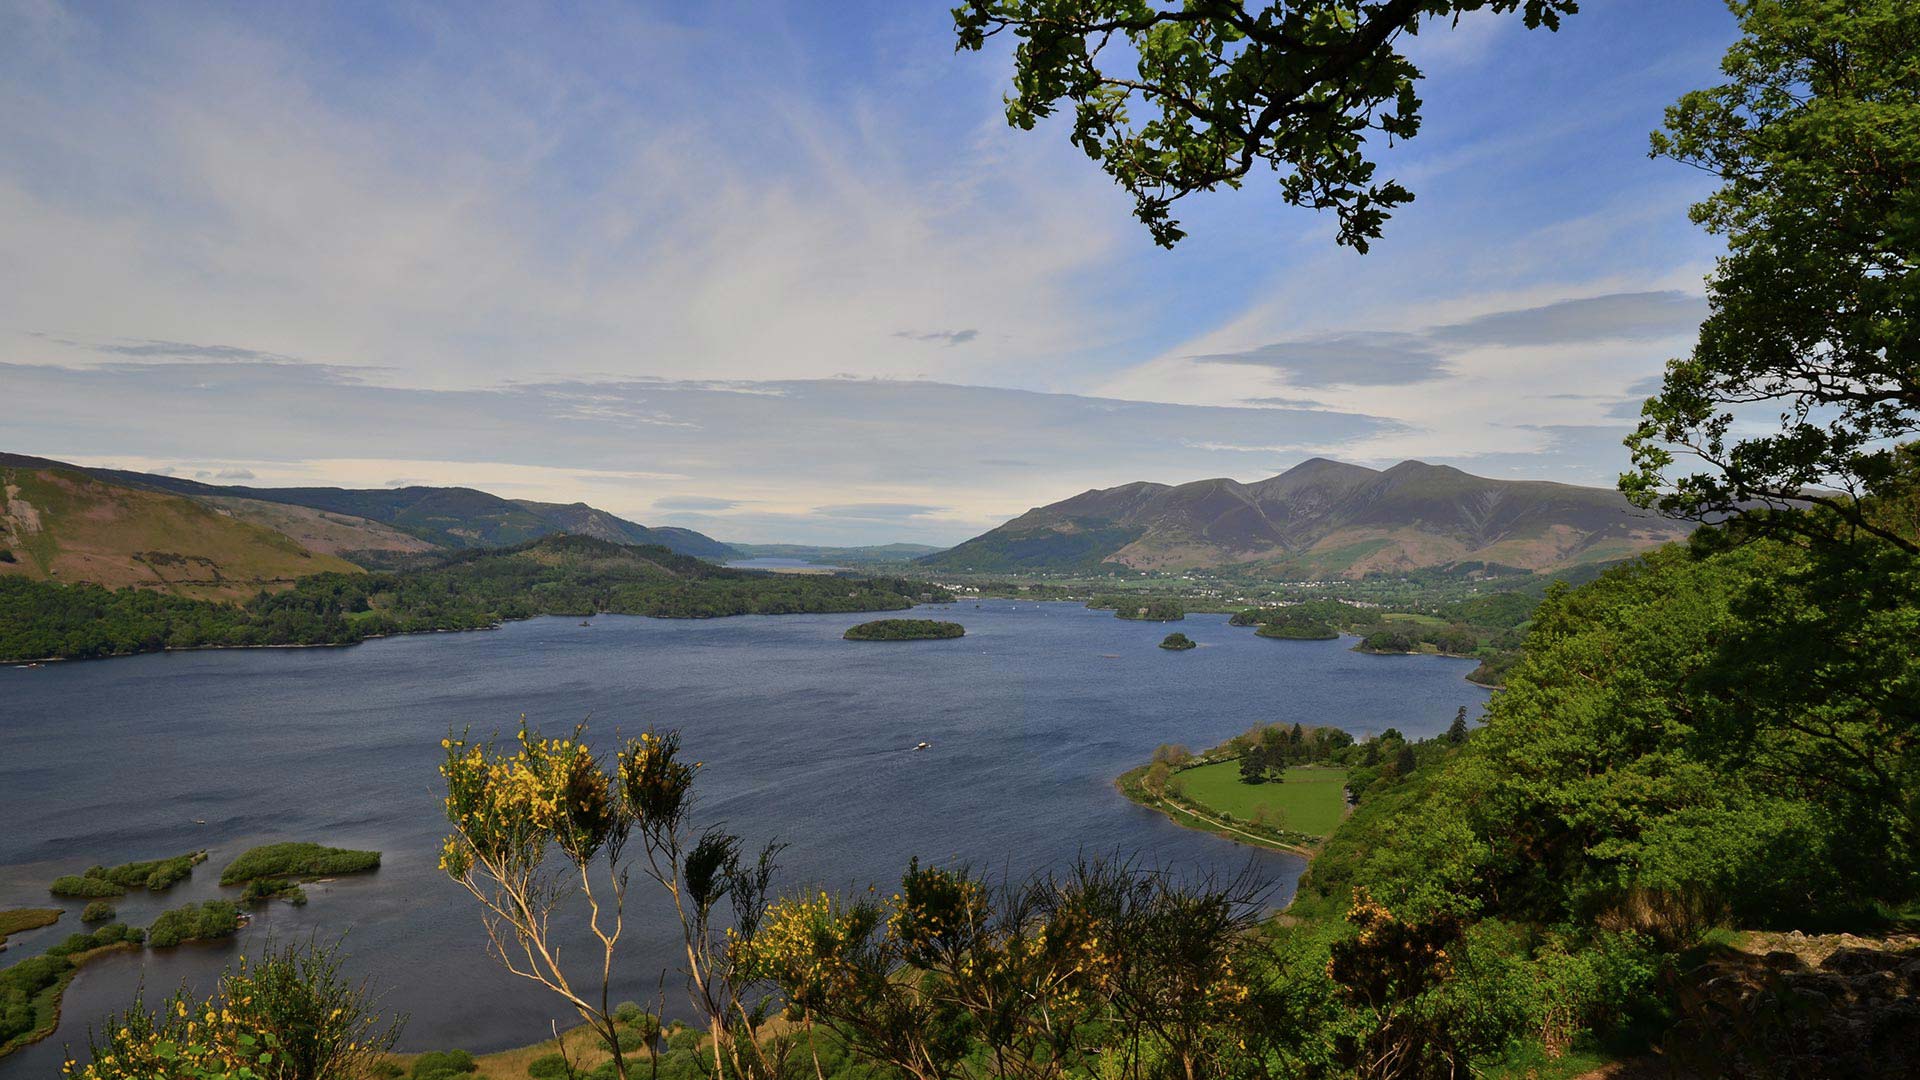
(1815,136)
(1219,87)
(559,575)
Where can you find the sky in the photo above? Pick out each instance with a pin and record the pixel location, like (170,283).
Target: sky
(780,272)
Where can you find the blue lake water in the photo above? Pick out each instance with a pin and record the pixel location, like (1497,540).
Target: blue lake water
(805,738)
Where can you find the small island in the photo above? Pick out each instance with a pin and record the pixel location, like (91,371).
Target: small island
(1178,642)
(905,630)
(156,875)
(296,861)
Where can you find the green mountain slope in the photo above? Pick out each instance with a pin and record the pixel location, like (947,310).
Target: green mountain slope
(446,517)
(63,524)
(1321,519)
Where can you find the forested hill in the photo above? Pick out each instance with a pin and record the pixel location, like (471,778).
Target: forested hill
(446,517)
(1321,519)
(556,575)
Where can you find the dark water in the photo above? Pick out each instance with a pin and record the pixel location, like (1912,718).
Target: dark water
(804,737)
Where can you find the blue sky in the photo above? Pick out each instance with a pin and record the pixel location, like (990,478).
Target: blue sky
(781,272)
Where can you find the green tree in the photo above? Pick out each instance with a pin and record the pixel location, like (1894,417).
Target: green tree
(1219,87)
(1404,762)
(1457,731)
(1815,135)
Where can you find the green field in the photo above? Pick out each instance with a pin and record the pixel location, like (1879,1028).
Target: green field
(1310,800)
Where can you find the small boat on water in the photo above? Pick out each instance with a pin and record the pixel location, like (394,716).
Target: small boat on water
(584,622)
(924,746)
(199,821)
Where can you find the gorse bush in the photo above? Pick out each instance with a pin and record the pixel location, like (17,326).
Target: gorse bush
(288,1016)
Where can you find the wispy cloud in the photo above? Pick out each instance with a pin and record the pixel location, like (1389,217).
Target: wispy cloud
(1635,316)
(1391,358)
(1352,358)
(750,466)
(879,511)
(627,235)
(949,337)
(695,502)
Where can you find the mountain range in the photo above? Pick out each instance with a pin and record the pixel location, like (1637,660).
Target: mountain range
(116,528)
(1321,519)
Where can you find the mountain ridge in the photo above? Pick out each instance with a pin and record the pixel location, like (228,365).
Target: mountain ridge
(446,517)
(1320,519)
(63,523)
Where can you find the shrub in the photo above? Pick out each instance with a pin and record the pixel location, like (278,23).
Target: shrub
(1388,641)
(98,911)
(634,1039)
(80,886)
(154,874)
(19,985)
(261,890)
(443,1064)
(288,1015)
(194,922)
(550,1067)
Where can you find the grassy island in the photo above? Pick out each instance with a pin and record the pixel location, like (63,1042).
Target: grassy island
(103,881)
(14,920)
(297,860)
(905,630)
(1178,642)
(194,922)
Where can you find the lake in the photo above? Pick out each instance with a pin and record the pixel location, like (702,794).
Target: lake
(806,738)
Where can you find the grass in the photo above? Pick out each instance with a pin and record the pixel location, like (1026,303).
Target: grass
(1414,618)
(1312,799)
(297,860)
(114,536)
(14,920)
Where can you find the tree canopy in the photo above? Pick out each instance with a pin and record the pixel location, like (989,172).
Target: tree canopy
(1815,136)
(1218,87)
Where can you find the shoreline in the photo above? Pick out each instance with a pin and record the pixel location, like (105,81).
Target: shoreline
(77,962)
(25,661)
(1127,783)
